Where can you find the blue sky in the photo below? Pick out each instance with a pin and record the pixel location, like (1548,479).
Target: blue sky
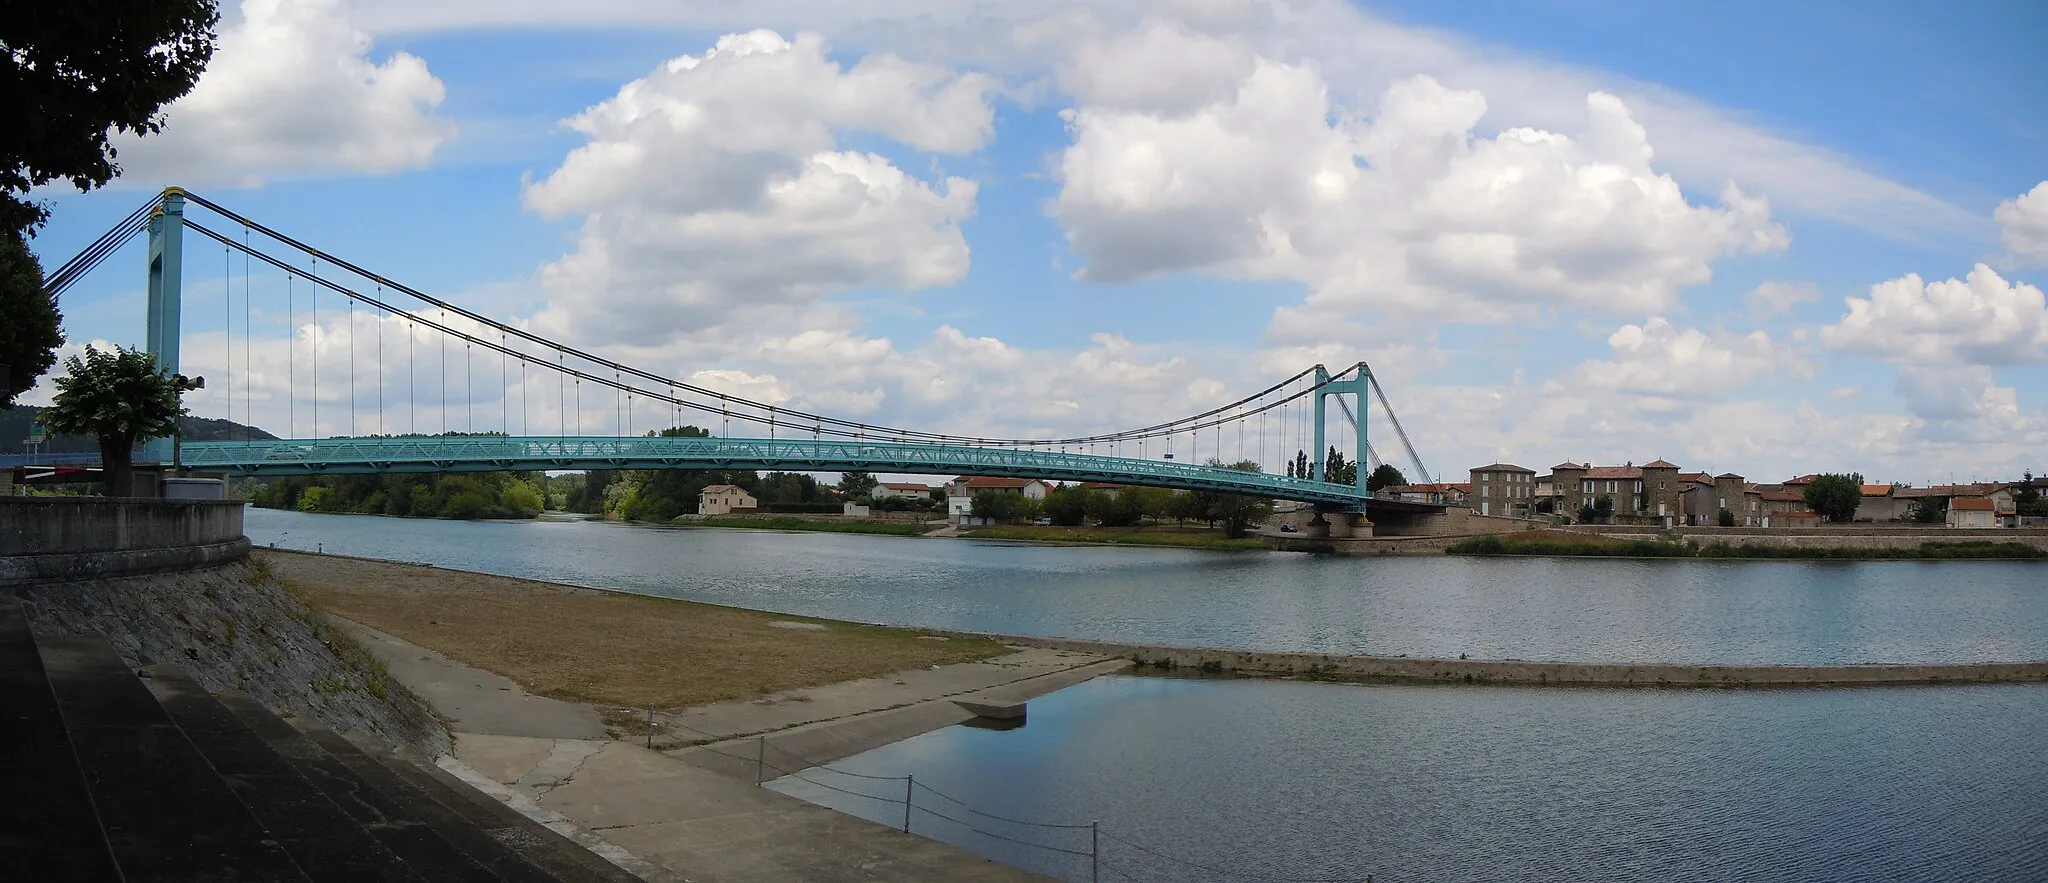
(1235,173)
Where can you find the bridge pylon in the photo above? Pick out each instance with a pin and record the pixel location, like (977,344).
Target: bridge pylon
(166,295)
(1350,521)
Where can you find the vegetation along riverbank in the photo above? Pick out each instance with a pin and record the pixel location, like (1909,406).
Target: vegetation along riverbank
(1191,538)
(791,522)
(1560,543)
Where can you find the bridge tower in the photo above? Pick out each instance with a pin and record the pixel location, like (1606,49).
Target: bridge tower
(1341,524)
(166,284)
(166,277)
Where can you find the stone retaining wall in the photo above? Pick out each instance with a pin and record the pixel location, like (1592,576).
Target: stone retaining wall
(78,538)
(1496,671)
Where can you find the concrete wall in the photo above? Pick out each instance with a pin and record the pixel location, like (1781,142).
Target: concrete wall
(1510,671)
(71,538)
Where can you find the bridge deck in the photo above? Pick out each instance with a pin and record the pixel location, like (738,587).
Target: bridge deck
(343,456)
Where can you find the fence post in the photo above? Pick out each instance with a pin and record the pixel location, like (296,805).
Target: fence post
(1095,852)
(760,759)
(909,782)
(650,726)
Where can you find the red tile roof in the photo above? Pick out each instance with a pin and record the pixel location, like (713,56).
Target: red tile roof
(1978,504)
(1700,477)
(1660,463)
(1804,479)
(1504,467)
(1877,490)
(904,486)
(1567,465)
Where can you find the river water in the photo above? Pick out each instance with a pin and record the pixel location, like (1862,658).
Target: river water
(1487,608)
(1216,779)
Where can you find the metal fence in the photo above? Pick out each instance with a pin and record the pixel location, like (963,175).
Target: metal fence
(1079,842)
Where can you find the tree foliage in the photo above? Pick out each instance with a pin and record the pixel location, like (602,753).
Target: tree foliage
(1067,506)
(2027,499)
(1384,477)
(1337,470)
(996,505)
(120,398)
(462,496)
(73,72)
(1239,512)
(31,329)
(857,485)
(1835,496)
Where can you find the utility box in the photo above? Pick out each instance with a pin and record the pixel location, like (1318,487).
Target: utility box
(195,489)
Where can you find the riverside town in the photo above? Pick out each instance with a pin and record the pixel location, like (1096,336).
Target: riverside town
(645,442)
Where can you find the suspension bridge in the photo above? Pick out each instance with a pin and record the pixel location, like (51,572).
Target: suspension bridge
(348,388)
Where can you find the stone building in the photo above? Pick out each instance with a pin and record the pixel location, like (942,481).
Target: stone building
(1502,489)
(1659,493)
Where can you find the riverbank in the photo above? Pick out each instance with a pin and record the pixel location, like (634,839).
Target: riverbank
(611,648)
(791,522)
(1323,666)
(1574,544)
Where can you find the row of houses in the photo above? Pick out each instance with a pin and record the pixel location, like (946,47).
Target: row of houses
(1661,491)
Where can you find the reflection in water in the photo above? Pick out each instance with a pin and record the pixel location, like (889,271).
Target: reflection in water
(1449,784)
(1656,611)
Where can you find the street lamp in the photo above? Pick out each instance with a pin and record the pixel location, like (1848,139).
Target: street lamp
(182,385)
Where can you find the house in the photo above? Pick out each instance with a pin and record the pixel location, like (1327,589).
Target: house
(1503,489)
(969,485)
(1733,493)
(1651,489)
(1699,498)
(1879,505)
(901,489)
(1972,512)
(1445,494)
(725,499)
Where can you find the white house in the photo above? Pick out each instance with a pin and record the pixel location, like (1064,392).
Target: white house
(725,499)
(1972,512)
(901,489)
(967,486)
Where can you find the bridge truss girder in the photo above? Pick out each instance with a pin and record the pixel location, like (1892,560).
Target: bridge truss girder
(501,454)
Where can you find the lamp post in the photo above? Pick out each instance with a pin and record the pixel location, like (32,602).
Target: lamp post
(183,385)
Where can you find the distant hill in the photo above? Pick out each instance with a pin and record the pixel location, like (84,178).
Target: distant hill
(14,424)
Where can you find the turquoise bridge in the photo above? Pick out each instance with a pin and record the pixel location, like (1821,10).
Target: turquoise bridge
(364,405)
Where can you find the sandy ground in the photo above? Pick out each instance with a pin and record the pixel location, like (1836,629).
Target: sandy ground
(607,648)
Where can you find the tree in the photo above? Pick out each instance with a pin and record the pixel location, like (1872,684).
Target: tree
(1835,496)
(995,505)
(1598,511)
(1239,512)
(31,329)
(80,70)
(1931,510)
(1067,506)
(2026,499)
(1727,518)
(1385,476)
(1299,469)
(857,485)
(1338,470)
(120,398)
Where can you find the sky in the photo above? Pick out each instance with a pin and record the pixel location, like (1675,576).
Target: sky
(1755,237)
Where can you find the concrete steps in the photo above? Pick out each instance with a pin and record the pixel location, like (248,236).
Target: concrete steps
(119,777)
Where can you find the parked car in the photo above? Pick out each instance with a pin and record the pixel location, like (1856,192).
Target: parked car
(1287,528)
(1042,522)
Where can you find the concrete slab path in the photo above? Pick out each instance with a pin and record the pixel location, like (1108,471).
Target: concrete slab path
(696,814)
(474,700)
(696,825)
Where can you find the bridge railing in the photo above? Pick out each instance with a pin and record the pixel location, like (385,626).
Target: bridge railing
(457,454)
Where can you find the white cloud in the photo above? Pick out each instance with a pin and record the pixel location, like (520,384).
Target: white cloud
(1359,53)
(2023,220)
(1770,298)
(1659,359)
(1983,320)
(716,188)
(292,90)
(1408,212)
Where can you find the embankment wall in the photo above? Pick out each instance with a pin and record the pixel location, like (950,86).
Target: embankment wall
(1520,672)
(75,538)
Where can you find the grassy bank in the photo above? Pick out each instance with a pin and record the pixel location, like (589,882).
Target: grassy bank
(1119,536)
(626,650)
(1562,543)
(791,522)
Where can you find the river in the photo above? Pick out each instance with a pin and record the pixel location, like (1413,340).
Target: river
(1488,608)
(1257,779)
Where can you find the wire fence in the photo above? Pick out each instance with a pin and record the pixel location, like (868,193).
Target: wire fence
(1083,841)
